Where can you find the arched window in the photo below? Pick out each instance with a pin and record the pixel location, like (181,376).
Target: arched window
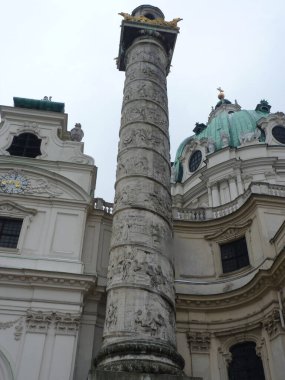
(245,364)
(25,145)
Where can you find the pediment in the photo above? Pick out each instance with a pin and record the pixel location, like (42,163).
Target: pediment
(13,209)
(231,232)
(40,183)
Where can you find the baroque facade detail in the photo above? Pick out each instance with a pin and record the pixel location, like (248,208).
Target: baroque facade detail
(272,323)
(199,341)
(183,275)
(40,322)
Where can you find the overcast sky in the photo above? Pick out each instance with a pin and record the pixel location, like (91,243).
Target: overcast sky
(66,49)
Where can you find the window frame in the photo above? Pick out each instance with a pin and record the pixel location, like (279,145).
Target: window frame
(237,352)
(12,210)
(234,245)
(194,160)
(26,145)
(10,230)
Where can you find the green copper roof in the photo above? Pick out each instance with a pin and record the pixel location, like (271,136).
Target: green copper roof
(43,105)
(232,124)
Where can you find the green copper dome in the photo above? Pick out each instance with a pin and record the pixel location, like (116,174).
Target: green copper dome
(232,124)
(225,122)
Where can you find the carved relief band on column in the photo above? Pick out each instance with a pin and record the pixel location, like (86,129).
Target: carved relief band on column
(145,70)
(132,266)
(143,194)
(151,113)
(144,136)
(148,164)
(140,301)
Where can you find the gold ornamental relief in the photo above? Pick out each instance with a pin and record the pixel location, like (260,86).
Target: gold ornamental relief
(158,21)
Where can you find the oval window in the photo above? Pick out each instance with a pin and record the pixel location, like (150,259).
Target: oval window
(278,133)
(195,160)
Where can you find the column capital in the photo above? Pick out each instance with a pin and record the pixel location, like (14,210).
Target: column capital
(146,21)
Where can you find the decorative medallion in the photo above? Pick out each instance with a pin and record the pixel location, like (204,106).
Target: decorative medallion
(13,183)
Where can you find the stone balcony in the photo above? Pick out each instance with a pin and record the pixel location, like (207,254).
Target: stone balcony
(207,213)
(101,204)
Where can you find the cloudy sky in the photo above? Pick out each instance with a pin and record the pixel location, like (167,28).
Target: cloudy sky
(66,49)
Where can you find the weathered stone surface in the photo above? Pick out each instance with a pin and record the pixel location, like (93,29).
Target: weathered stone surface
(108,375)
(139,331)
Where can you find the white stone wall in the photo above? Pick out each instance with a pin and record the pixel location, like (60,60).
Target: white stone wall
(42,281)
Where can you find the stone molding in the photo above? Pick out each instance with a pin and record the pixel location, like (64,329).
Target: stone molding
(10,208)
(110,375)
(29,277)
(225,356)
(142,356)
(264,280)
(18,326)
(199,341)
(64,323)
(272,323)
(229,233)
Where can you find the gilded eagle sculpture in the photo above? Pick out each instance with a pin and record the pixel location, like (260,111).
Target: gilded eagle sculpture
(156,21)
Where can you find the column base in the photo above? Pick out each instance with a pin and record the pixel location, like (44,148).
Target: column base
(141,356)
(110,375)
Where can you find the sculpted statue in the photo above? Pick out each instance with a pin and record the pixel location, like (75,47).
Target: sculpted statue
(76,133)
(211,145)
(249,136)
(225,139)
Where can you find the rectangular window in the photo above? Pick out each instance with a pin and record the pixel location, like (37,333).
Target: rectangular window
(234,255)
(9,232)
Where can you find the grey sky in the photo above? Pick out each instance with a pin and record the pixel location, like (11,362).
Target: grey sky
(66,49)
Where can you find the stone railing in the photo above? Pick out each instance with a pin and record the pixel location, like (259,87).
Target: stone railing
(100,204)
(200,214)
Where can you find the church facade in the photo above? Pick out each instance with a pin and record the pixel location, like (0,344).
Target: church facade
(228,217)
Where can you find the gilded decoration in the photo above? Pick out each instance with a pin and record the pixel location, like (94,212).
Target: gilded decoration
(157,21)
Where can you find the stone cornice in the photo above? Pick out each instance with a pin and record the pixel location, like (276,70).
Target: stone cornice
(264,280)
(32,278)
(64,323)
(45,117)
(230,164)
(54,166)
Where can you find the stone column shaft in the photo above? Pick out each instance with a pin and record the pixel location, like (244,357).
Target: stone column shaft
(139,332)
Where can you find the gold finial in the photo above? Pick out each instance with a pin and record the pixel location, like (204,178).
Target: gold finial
(221,94)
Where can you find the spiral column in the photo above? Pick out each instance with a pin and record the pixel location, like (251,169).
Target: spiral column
(139,331)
